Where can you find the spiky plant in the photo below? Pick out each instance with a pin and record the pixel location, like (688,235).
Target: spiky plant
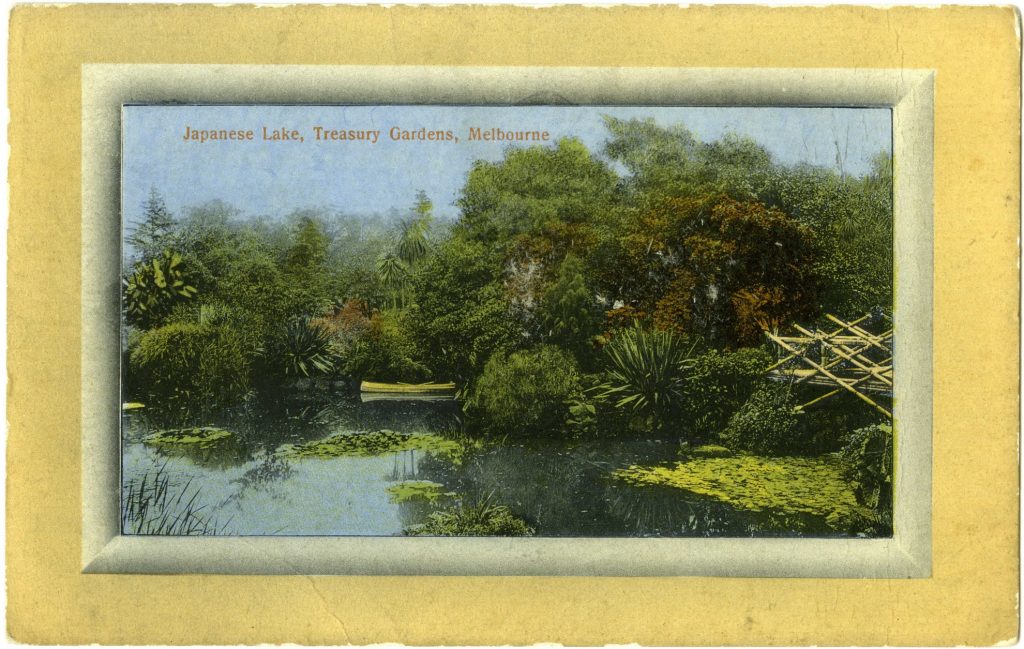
(645,373)
(307,349)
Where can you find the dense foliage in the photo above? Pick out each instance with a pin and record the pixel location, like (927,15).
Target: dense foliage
(869,461)
(622,291)
(190,365)
(645,375)
(767,423)
(526,392)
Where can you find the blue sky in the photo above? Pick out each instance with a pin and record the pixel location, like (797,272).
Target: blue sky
(274,178)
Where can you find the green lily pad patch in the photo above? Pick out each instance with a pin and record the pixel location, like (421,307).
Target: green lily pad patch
(421,490)
(378,442)
(788,485)
(711,450)
(205,437)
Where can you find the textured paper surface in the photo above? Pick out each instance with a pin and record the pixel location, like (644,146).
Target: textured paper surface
(970,597)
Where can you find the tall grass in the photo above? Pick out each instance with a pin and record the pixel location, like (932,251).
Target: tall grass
(151,505)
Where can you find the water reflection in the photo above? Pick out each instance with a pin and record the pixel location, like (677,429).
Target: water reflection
(558,487)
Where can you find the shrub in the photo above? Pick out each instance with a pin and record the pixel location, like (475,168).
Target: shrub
(195,367)
(868,459)
(481,519)
(767,424)
(645,374)
(720,382)
(383,351)
(153,288)
(526,391)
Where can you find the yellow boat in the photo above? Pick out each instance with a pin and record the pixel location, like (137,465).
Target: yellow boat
(406,388)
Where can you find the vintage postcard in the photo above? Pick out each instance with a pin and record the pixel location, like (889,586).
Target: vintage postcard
(541,320)
(667,326)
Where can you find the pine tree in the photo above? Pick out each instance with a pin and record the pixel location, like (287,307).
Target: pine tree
(151,237)
(568,309)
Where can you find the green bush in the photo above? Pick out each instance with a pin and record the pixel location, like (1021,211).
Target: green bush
(193,367)
(304,350)
(153,288)
(719,383)
(527,391)
(868,459)
(767,424)
(482,519)
(384,352)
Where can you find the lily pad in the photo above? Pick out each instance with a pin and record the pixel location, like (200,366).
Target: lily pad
(784,485)
(711,450)
(205,437)
(378,442)
(418,490)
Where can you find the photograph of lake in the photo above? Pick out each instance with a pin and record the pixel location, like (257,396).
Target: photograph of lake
(571,321)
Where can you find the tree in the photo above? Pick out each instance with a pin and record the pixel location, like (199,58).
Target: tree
(538,203)
(692,262)
(568,311)
(151,237)
(305,266)
(850,222)
(460,316)
(393,274)
(413,240)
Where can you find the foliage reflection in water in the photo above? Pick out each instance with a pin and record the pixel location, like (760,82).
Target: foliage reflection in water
(253,483)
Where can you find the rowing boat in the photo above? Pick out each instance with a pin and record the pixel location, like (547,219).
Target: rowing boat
(406,388)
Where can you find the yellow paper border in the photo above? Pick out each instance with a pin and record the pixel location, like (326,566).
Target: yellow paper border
(970,599)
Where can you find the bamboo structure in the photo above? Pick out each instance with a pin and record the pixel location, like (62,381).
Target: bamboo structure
(848,359)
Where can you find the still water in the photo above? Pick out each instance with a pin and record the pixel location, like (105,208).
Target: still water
(559,487)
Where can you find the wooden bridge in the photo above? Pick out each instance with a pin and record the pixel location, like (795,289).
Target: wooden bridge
(848,359)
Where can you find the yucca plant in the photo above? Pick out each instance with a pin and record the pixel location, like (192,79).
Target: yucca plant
(307,349)
(645,374)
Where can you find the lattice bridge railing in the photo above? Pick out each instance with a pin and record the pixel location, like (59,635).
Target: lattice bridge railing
(849,359)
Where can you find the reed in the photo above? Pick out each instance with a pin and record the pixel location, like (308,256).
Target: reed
(152,505)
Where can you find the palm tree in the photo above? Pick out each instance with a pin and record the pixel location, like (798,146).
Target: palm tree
(392,273)
(412,241)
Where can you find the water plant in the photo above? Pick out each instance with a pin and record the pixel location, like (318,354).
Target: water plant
(482,518)
(418,490)
(781,486)
(152,504)
(367,444)
(204,437)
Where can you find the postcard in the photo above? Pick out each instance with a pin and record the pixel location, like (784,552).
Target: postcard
(506,325)
(567,321)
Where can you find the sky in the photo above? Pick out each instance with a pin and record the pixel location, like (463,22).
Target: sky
(273,178)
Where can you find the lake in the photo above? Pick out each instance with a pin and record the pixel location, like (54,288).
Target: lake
(249,484)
